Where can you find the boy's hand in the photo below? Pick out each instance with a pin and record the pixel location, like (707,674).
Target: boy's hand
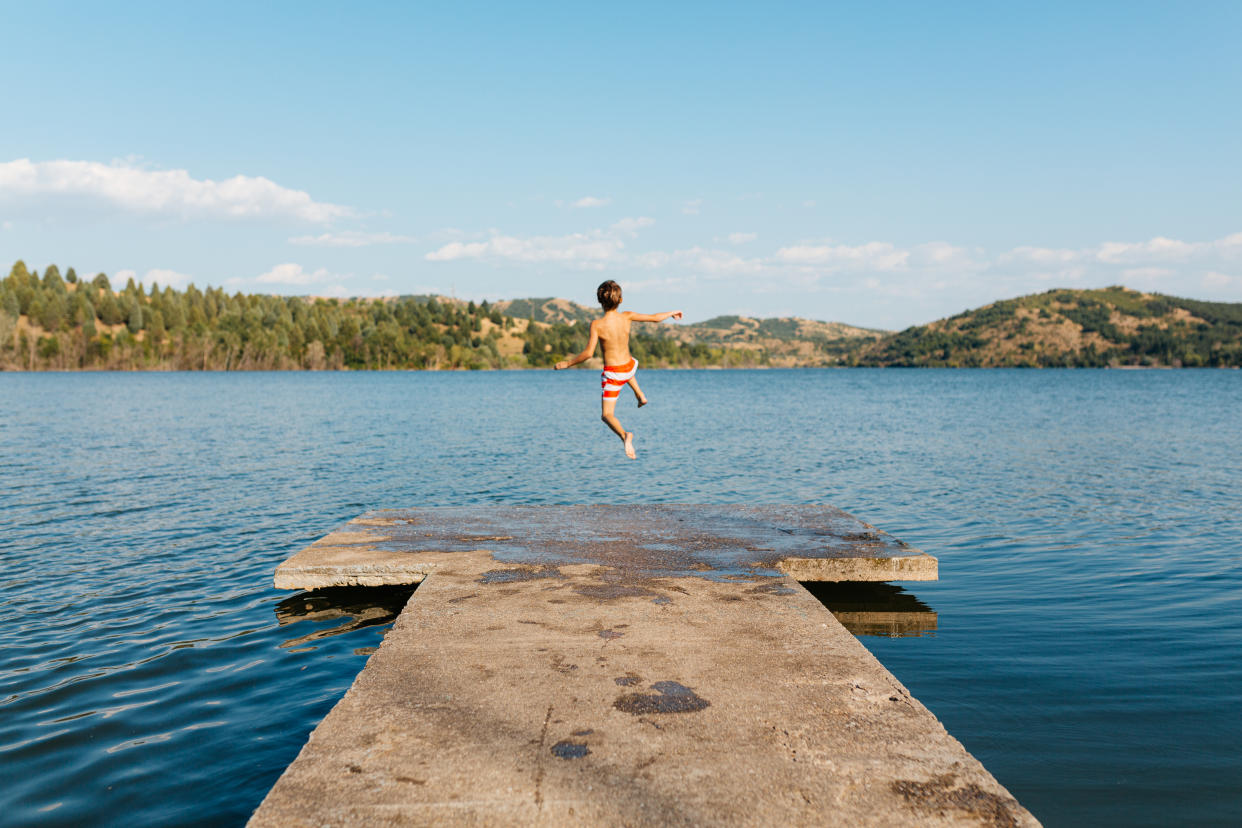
(676,314)
(562,365)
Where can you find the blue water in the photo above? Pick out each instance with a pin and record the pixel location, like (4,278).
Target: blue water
(1088,637)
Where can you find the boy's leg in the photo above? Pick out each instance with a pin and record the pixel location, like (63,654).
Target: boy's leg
(610,419)
(638,392)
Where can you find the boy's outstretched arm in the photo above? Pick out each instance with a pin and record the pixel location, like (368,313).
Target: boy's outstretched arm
(654,317)
(585,355)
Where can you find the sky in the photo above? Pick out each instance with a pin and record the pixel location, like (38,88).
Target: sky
(880,164)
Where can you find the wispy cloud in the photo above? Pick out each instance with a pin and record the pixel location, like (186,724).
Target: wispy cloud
(591,201)
(631,226)
(592,249)
(351,238)
(742,238)
(294,274)
(165,277)
(124,185)
(692,207)
(870,256)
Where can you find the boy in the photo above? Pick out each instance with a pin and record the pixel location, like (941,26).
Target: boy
(613,331)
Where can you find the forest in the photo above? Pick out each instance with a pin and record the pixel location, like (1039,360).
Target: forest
(55,321)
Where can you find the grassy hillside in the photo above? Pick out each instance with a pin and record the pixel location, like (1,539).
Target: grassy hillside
(1085,328)
(778,342)
(548,311)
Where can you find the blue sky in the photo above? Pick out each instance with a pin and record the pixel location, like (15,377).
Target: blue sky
(882,164)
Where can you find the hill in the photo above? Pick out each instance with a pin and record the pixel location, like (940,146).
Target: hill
(1072,328)
(783,342)
(55,322)
(549,311)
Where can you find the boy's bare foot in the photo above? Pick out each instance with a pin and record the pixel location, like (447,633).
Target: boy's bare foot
(642,401)
(629,445)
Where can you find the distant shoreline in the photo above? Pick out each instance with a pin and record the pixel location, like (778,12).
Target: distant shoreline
(1189,368)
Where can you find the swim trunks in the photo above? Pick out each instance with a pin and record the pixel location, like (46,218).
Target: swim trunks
(616,376)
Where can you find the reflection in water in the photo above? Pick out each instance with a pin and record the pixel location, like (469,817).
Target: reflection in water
(875,608)
(358,607)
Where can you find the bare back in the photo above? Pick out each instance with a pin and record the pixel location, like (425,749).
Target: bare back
(613,330)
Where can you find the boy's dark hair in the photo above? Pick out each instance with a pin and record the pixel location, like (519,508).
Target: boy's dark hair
(609,295)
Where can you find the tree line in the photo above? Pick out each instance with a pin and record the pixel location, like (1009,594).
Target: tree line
(58,321)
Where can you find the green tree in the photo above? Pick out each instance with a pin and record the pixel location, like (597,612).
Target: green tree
(71,276)
(155,326)
(133,314)
(9,303)
(101,282)
(109,309)
(52,283)
(49,346)
(55,311)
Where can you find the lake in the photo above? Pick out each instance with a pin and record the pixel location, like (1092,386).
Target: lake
(1084,641)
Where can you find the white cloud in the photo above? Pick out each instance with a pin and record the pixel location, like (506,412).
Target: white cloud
(592,249)
(1157,248)
(293,274)
(577,248)
(124,185)
(1215,280)
(631,226)
(810,202)
(1039,255)
(692,207)
(351,238)
(167,278)
(742,238)
(591,201)
(870,256)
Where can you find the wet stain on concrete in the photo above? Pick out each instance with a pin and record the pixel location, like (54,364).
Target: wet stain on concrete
(559,665)
(629,680)
(670,697)
(570,750)
(609,634)
(772,588)
(612,592)
(461,598)
(411,780)
(939,794)
(511,576)
(586,732)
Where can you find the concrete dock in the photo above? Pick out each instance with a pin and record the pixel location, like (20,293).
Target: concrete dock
(624,665)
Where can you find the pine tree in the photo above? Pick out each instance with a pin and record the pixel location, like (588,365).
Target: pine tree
(52,281)
(133,313)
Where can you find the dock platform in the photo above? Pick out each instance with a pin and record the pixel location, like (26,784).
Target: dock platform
(624,665)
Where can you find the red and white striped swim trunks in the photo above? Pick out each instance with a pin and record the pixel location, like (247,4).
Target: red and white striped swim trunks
(616,376)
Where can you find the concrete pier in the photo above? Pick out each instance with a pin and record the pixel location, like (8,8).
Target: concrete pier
(624,665)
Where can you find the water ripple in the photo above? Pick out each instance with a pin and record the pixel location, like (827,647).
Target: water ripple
(1082,641)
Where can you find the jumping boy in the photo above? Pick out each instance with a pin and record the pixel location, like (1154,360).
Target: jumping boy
(613,331)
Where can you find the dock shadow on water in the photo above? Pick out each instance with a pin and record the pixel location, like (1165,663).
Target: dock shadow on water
(339,610)
(878,609)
